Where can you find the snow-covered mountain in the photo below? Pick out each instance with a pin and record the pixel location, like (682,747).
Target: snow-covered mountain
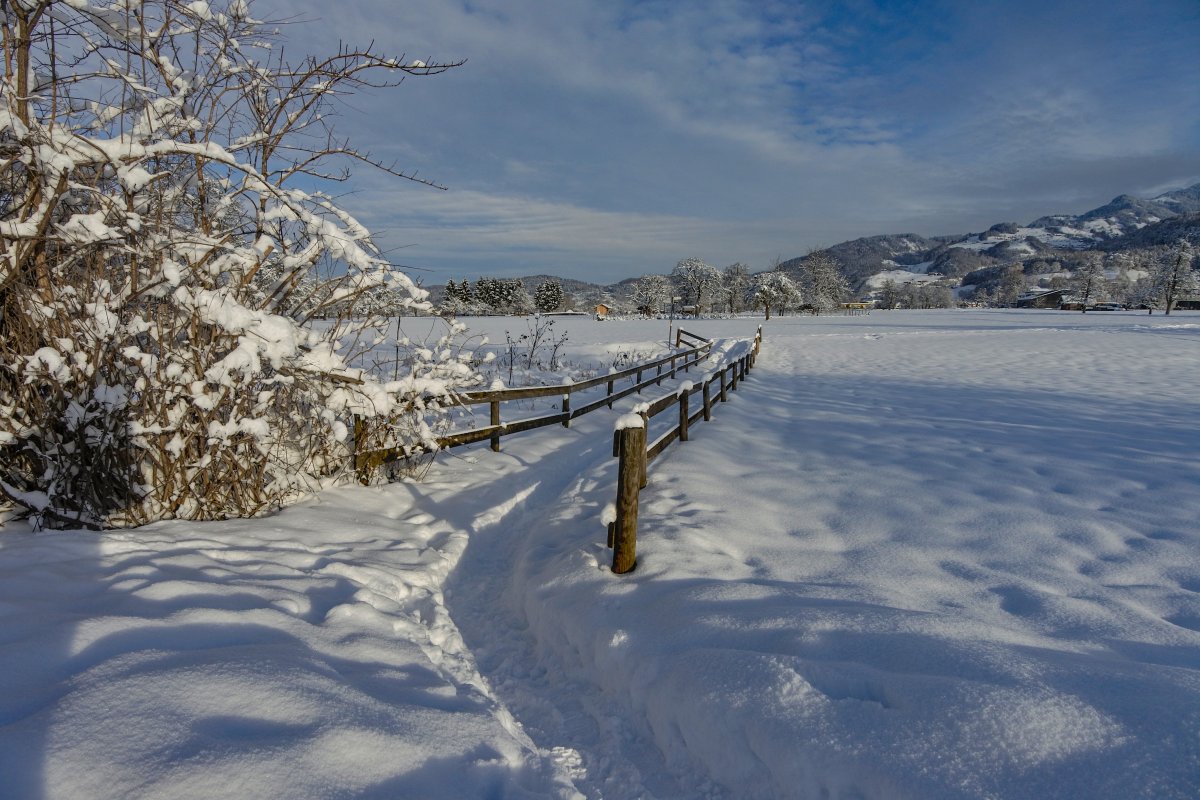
(1124,222)
(1119,217)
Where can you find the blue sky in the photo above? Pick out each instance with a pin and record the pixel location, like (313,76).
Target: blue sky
(608,139)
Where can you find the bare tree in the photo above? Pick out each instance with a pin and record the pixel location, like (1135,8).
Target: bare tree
(1174,275)
(736,282)
(697,282)
(774,290)
(1012,283)
(651,293)
(1089,280)
(823,282)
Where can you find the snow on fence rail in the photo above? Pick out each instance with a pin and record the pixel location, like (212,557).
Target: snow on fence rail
(367,460)
(635,454)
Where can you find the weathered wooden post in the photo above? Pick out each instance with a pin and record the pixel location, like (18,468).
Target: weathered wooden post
(630,469)
(566,410)
(642,461)
(495,405)
(733,378)
(707,401)
(610,393)
(683,415)
(723,371)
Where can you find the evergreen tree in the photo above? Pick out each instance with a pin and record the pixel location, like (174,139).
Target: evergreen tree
(548,296)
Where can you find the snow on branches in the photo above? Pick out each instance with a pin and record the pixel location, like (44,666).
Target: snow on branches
(172,307)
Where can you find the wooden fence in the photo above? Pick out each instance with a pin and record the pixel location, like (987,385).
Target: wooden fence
(635,453)
(367,460)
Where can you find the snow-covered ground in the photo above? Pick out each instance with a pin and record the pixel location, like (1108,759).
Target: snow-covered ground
(917,555)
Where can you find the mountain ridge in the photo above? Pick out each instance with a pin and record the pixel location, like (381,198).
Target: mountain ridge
(1125,222)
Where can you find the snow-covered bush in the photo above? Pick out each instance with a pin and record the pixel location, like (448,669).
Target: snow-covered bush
(161,272)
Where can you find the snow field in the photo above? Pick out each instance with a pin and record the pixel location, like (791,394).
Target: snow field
(917,554)
(305,655)
(929,555)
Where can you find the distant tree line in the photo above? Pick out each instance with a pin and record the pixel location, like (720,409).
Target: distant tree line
(1154,278)
(502,296)
(697,287)
(915,295)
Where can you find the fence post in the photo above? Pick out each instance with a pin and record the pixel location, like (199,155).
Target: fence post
(618,443)
(495,423)
(723,371)
(630,470)
(707,401)
(566,410)
(643,478)
(683,416)
(610,392)
(639,381)
(733,377)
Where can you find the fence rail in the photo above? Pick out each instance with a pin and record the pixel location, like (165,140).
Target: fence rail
(630,445)
(367,460)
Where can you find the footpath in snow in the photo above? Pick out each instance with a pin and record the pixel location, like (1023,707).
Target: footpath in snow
(917,555)
(939,555)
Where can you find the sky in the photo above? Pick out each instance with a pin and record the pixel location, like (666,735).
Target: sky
(609,139)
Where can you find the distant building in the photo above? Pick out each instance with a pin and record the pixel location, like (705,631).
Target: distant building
(1054,298)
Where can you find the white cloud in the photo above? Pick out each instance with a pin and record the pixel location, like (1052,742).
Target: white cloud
(470,231)
(621,133)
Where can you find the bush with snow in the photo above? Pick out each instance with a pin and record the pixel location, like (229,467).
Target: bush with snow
(160,271)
